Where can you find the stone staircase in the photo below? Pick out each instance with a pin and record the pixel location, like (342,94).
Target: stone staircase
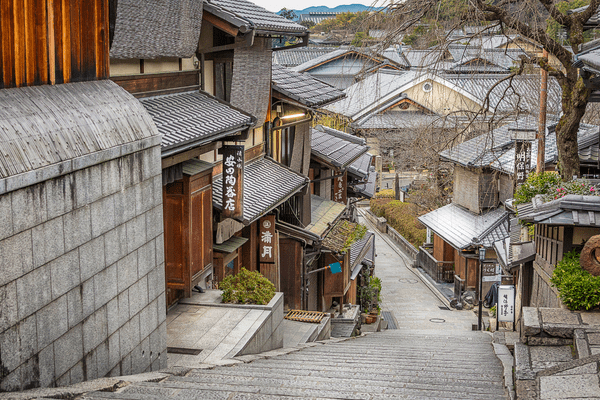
(382,365)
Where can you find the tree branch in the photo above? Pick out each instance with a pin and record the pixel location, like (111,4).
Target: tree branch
(583,16)
(559,17)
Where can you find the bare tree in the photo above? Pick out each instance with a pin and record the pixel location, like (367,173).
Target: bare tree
(527,18)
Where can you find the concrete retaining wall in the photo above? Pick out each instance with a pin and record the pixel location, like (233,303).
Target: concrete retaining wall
(82,274)
(266,334)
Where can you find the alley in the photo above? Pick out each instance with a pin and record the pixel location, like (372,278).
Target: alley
(432,355)
(414,305)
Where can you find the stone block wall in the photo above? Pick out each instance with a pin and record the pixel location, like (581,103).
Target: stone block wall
(82,274)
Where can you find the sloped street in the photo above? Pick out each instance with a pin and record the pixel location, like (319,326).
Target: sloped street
(432,355)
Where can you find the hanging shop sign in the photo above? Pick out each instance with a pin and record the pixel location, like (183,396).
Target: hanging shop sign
(522,161)
(266,239)
(340,188)
(233,181)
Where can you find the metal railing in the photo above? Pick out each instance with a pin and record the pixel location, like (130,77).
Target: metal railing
(440,271)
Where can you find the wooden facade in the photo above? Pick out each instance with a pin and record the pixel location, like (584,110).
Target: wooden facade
(188,232)
(53,41)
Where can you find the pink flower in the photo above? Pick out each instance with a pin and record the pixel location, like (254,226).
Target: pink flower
(592,189)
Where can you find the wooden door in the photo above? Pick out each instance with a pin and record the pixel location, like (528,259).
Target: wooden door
(175,256)
(201,242)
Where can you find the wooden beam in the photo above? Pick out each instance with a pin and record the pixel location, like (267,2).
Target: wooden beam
(154,82)
(188,155)
(220,24)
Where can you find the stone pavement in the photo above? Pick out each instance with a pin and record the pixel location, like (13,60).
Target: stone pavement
(404,293)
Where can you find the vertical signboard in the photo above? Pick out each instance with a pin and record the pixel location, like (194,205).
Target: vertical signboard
(506,303)
(233,181)
(266,239)
(522,161)
(340,191)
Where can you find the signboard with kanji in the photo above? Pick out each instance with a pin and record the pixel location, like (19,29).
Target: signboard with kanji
(233,181)
(490,272)
(505,309)
(522,161)
(340,187)
(266,239)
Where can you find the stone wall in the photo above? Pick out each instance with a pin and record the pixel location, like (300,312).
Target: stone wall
(542,292)
(82,272)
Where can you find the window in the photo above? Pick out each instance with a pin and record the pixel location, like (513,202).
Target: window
(223,75)
(427,87)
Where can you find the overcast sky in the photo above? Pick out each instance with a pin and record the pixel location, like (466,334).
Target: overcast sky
(276,5)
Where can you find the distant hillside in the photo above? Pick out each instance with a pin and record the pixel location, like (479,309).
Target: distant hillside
(342,8)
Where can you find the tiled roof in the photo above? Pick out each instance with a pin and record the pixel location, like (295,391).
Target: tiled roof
(50,124)
(190,117)
(371,91)
(591,23)
(266,185)
(260,18)
(336,147)
(152,29)
(364,247)
(569,210)
(401,120)
(368,187)
(496,149)
(323,214)
(355,53)
(463,229)
(360,167)
(303,88)
(522,94)
(504,58)
(427,58)
(294,57)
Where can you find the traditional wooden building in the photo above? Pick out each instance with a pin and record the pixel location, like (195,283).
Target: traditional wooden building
(209,96)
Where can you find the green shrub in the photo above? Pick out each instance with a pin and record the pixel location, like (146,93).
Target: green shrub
(247,287)
(402,217)
(579,290)
(536,184)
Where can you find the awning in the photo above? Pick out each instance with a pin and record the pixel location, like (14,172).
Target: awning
(324,213)
(194,118)
(362,252)
(336,147)
(230,245)
(367,188)
(267,184)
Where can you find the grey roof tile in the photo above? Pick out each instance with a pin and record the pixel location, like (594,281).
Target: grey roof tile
(336,147)
(323,214)
(360,168)
(496,149)
(261,18)
(294,57)
(156,28)
(569,210)
(462,229)
(401,120)
(368,187)
(46,125)
(303,88)
(364,246)
(193,116)
(266,185)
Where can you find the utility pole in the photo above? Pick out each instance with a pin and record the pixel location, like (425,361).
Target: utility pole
(541,155)
(397,187)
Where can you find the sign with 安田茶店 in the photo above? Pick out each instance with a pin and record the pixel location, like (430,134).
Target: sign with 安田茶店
(505,309)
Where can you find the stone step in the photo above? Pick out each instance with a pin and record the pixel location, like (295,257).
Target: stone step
(408,377)
(400,370)
(371,382)
(331,391)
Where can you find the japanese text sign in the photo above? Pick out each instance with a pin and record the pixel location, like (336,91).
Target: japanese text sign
(233,181)
(506,303)
(522,161)
(340,188)
(266,239)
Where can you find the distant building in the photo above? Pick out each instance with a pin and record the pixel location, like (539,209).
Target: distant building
(318,17)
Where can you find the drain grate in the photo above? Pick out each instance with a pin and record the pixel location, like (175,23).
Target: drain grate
(387,316)
(305,316)
(437,320)
(408,280)
(183,350)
